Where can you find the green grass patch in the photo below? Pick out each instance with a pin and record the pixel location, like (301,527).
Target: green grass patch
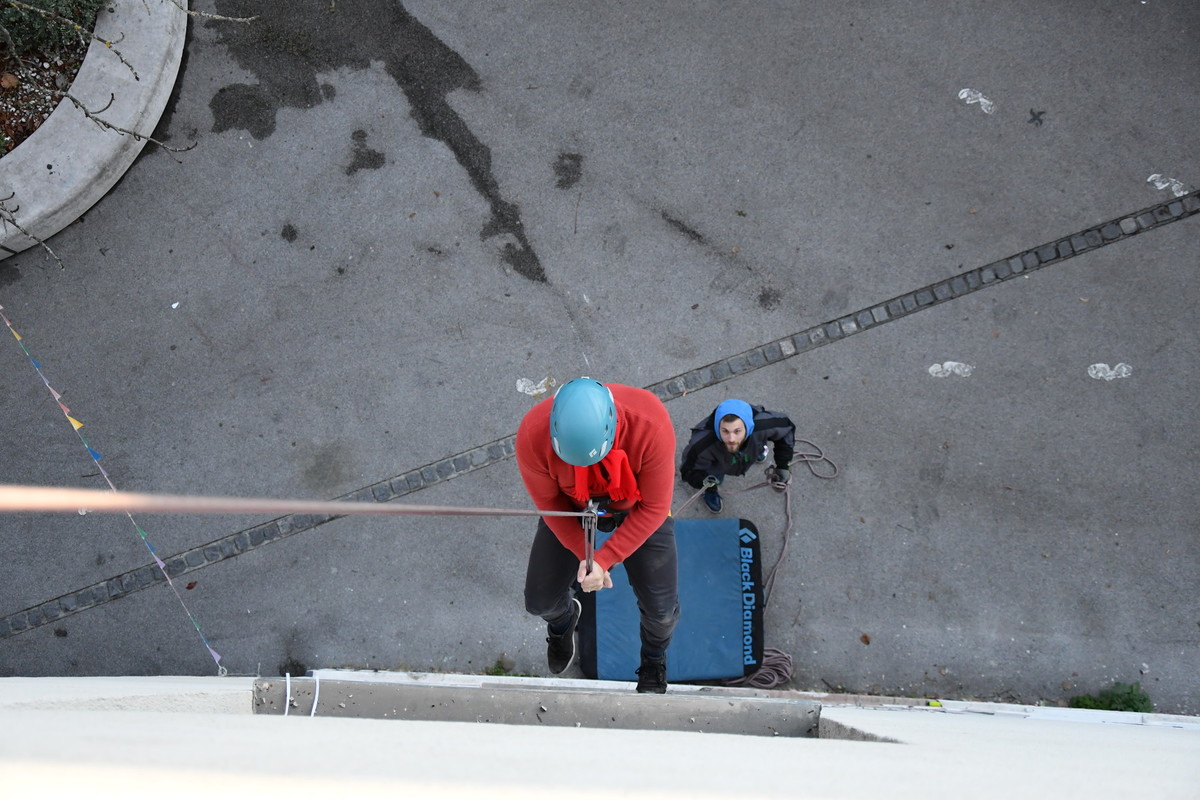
(1120,697)
(45,24)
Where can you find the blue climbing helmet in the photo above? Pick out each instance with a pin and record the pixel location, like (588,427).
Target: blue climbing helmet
(583,421)
(739,408)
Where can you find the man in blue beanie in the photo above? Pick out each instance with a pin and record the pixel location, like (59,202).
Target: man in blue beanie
(729,440)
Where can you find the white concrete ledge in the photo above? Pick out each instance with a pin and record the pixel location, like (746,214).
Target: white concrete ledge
(96,736)
(70,162)
(162,693)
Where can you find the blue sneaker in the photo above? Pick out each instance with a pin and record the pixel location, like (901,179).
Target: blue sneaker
(712,499)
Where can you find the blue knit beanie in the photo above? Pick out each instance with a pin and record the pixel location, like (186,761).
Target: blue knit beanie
(739,407)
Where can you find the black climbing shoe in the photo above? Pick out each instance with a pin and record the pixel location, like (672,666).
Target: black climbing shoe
(652,676)
(560,648)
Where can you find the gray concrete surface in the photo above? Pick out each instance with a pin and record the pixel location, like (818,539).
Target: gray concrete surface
(396,212)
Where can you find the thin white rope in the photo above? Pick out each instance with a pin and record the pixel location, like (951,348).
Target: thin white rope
(316,694)
(287,701)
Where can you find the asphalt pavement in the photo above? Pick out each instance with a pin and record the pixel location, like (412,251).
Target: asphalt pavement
(956,243)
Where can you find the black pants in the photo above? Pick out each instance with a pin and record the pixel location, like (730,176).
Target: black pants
(653,572)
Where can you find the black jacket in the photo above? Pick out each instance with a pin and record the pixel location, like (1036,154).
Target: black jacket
(705,454)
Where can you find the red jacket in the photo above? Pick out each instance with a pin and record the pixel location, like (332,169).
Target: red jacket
(644,432)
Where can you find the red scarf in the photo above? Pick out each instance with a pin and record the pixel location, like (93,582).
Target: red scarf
(621,483)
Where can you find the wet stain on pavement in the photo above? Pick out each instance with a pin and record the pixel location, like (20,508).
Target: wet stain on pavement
(289,233)
(324,469)
(683,228)
(835,300)
(615,239)
(364,157)
(568,169)
(933,474)
(580,87)
(769,298)
(291,666)
(291,43)
(244,107)
(9,275)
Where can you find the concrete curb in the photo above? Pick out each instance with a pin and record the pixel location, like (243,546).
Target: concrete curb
(820,700)
(70,162)
(519,700)
(531,702)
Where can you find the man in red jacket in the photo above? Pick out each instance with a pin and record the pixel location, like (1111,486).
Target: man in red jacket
(614,444)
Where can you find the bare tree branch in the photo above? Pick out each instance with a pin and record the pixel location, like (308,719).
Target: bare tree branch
(7,218)
(206,15)
(103,123)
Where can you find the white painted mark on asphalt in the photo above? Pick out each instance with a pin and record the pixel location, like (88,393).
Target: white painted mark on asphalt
(951,368)
(175,305)
(1161,182)
(527,386)
(1103,372)
(972,96)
